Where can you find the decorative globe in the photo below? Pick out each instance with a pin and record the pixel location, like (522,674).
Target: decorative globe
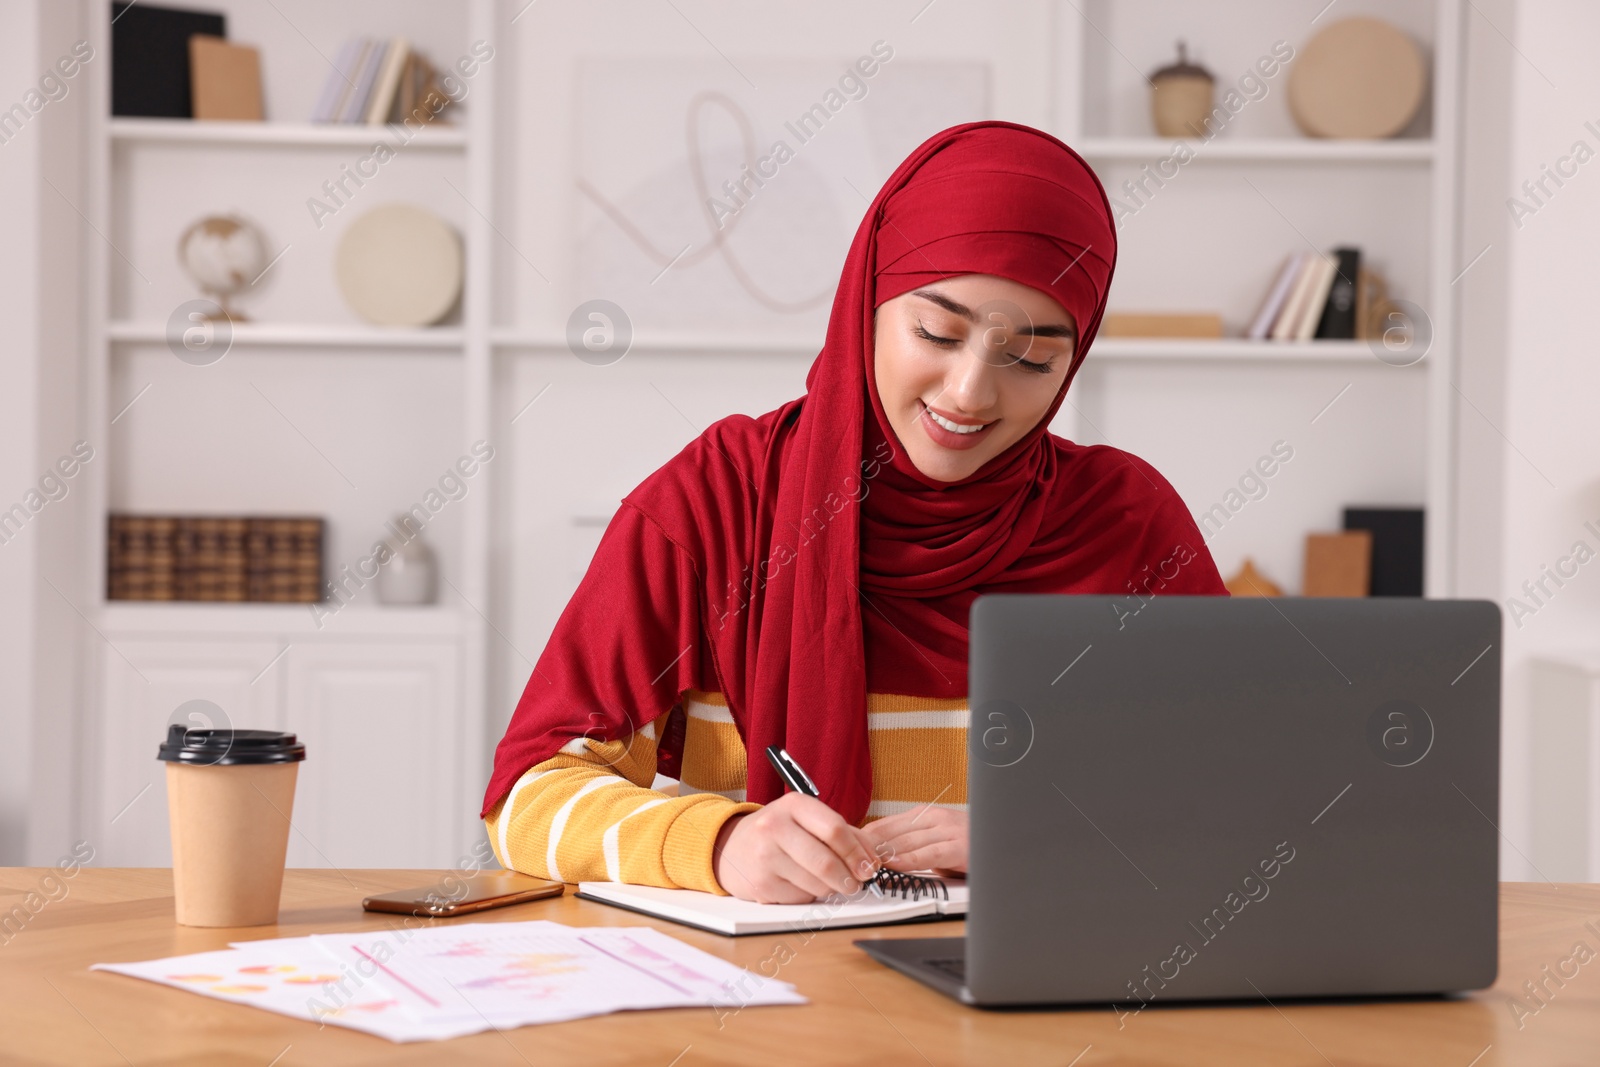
(223,254)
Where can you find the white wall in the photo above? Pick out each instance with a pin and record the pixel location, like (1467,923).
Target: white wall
(1544,407)
(40,570)
(19,162)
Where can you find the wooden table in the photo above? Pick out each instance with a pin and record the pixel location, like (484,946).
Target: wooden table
(53,1010)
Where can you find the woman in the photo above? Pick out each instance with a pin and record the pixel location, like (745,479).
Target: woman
(804,578)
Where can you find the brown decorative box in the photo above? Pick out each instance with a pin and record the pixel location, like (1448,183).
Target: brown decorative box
(210,558)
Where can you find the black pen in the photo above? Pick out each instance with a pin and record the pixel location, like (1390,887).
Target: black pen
(790,772)
(905,885)
(797,779)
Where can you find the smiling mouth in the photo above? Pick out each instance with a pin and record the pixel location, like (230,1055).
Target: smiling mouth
(951,425)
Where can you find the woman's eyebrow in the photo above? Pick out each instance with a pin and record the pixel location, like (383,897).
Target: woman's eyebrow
(1067,331)
(949,305)
(956,308)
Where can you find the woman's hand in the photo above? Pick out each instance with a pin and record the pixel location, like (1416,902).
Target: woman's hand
(793,851)
(924,838)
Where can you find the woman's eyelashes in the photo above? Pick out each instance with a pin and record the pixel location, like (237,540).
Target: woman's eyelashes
(943,342)
(951,342)
(1037,368)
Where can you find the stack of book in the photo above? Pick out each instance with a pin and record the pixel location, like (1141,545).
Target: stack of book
(1320,296)
(157,557)
(376,81)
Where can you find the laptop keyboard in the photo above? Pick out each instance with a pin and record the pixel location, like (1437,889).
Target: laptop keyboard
(956,968)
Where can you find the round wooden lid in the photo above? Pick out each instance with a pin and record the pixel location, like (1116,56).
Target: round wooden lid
(1182,68)
(1359,78)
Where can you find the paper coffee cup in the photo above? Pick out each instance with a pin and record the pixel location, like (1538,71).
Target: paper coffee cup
(230,795)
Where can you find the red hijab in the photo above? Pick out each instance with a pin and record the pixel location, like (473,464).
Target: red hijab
(782,526)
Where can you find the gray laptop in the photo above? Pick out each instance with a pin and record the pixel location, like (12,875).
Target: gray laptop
(1202,797)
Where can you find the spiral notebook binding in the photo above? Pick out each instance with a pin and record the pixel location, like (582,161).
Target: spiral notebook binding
(907,886)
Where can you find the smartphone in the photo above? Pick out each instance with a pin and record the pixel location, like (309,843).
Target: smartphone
(456,894)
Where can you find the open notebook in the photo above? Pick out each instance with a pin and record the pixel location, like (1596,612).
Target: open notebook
(730,915)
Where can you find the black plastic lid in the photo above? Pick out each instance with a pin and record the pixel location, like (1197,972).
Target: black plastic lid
(219,747)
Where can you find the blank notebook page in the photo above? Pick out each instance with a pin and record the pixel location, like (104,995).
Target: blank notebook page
(731,915)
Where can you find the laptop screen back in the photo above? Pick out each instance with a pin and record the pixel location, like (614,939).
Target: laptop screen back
(1202,797)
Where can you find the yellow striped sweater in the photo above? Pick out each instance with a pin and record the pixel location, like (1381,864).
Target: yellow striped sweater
(588,813)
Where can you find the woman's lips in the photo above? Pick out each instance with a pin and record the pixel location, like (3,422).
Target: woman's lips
(949,438)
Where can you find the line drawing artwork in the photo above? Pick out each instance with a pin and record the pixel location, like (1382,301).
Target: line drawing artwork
(719,230)
(702,204)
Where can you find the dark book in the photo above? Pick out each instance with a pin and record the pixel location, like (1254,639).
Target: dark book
(1396,547)
(150,58)
(1338,322)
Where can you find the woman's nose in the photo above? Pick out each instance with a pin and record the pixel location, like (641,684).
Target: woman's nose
(970,385)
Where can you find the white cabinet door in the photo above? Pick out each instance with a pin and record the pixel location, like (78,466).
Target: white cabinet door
(143,685)
(380,786)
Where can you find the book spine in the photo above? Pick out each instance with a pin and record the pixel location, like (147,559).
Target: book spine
(188,563)
(1261,325)
(1283,328)
(348,77)
(402,90)
(355,108)
(119,542)
(1339,317)
(231,568)
(388,81)
(306,583)
(332,86)
(1318,298)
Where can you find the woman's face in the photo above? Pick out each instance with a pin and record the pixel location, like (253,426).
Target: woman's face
(966,366)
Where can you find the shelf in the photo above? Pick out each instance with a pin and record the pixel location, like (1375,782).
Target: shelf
(670,343)
(200,131)
(1572,656)
(190,618)
(1198,350)
(1263,150)
(1106,348)
(306,335)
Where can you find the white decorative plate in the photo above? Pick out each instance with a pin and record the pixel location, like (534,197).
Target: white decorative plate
(399,265)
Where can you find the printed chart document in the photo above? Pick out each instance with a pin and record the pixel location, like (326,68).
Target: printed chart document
(441,982)
(732,916)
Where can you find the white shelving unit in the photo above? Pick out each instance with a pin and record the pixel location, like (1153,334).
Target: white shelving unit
(395,675)
(204,620)
(282,335)
(1251,171)
(155,131)
(1226,349)
(1260,150)
(1106,348)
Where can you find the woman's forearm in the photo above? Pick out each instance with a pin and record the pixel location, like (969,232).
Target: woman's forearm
(581,818)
